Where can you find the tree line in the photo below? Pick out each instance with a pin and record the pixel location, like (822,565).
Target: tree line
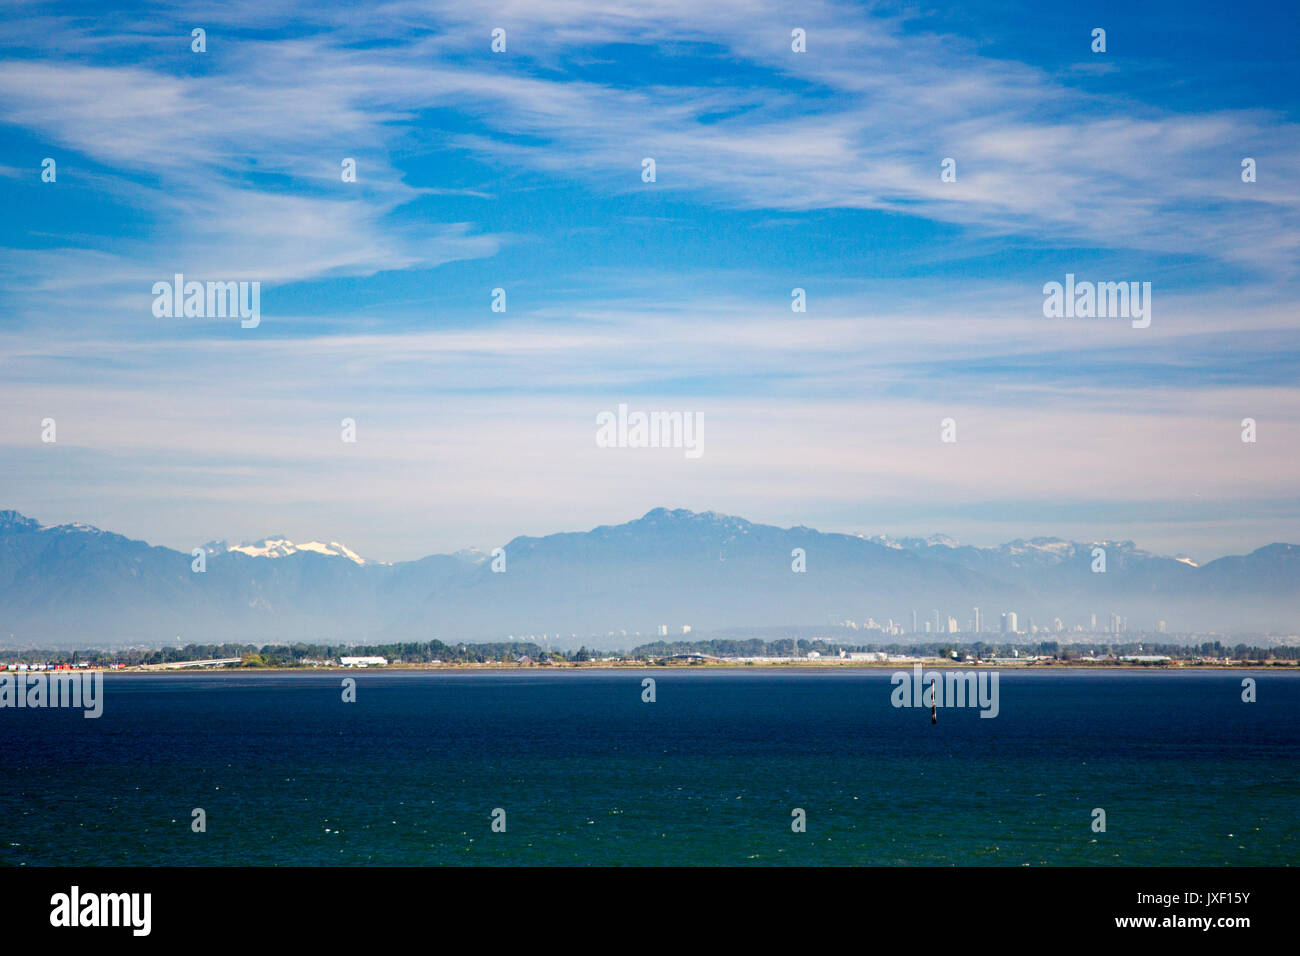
(427,652)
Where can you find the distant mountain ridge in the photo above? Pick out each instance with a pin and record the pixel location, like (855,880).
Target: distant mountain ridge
(74,585)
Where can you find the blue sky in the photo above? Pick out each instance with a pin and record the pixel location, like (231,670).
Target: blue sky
(775,170)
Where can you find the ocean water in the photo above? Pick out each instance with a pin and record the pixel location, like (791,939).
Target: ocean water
(708,774)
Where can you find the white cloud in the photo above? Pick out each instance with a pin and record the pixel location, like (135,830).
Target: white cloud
(236,168)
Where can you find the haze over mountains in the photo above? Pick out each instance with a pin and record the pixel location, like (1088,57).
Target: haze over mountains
(77,586)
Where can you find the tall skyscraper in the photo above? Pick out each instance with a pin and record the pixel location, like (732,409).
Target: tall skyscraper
(978,623)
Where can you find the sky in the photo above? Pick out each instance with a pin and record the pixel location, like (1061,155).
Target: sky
(522,170)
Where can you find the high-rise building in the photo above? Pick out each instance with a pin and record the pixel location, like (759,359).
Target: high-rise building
(938,623)
(1012,626)
(978,623)
(913,620)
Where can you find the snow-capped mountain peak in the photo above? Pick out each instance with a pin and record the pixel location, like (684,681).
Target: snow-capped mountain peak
(283,547)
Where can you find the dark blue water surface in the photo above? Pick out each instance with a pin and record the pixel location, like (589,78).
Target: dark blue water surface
(587,773)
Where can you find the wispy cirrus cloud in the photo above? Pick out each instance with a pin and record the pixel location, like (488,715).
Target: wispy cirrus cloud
(523,169)
(859,121)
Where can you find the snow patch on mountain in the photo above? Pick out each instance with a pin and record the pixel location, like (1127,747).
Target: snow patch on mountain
(911,544)
(283,547)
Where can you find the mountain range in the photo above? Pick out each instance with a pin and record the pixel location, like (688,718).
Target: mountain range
(74,585)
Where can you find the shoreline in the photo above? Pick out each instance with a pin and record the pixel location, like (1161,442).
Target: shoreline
(930,663)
